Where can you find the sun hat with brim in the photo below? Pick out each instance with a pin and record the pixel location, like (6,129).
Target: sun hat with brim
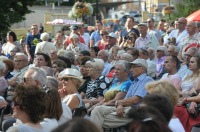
(71,73)
(142,24)
(140,62)
(113,35)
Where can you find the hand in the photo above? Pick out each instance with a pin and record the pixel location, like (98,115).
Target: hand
(29,58)
(62,92)
(192,108)
(120,110)
(90,109)
(183,101)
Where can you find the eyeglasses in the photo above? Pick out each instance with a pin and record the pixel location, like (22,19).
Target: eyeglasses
(180,22)
(33,28)
(187,55)
(19,60)
(159,50)
(65,78)
(136,65)
(148,21)
(25,79)
(101,34)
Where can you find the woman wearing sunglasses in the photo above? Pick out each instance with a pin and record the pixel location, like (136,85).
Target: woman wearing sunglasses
(103,42)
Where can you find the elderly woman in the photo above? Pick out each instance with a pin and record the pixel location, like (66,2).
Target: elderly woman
(44,46)
(71,80)
(75,44)
(9,68)
(42,59)
(25,100)
(11,45)
(3,82)
(119,87)
(98,85)
(165,88)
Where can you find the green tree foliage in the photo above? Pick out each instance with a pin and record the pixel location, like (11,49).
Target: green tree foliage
(13,11)
(183,8)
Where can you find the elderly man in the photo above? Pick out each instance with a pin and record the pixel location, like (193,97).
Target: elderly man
(152,56)
(103,54)
(184,69)
(173,50)
(20,65)
(44,46)
(112,40)
(153,30)
(76,46)
(192,38)
(151,71)
(161,55)
(146,40)
(95,36)
(31,41)
(179,33)
(129,28)
(112,117)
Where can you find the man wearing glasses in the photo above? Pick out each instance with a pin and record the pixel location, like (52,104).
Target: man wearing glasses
(179,33)
(31,41)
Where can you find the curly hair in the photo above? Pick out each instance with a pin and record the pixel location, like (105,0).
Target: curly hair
(31,100)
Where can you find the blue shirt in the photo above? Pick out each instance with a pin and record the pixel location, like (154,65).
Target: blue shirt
(138,86)
(95,36)
(123,87)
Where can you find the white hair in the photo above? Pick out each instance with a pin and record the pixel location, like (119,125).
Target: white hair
(22,54)
(39,75)
(44,36)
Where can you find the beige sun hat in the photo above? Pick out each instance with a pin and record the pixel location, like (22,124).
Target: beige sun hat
(72,73)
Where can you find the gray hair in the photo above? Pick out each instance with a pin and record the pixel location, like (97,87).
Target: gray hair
(105,53)
(2,66)
(67,54)
(52,83)
(120,52)
(125,64)
(176,48)
(48,70)
(44,36)
(127,57)
(22,54)
(39,75)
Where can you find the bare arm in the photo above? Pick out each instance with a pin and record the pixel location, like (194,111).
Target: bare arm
(93,101)
(91,42)
(119,96)
(73,102)
(119,40)
(27,51)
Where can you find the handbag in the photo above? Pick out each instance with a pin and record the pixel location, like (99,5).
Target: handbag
(197,109)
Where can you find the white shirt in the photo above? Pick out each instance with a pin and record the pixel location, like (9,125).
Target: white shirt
(45,47)
(86,38)
(175,125)
(49,124)
(66,115)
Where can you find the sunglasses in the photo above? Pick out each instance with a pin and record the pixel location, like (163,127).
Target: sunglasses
(101,34)
(33,28)
(159,50)
(148,21)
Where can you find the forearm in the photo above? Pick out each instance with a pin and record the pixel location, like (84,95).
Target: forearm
(130,101)
(27,50)
(93,101)
(193,99)
(91,43)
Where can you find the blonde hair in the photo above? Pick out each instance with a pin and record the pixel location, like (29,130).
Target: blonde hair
(76,82)
(164,87)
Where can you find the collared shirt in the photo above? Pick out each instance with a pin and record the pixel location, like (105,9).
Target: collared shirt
(86,38)
(95,36)
(107,67)
(184,71)
(159,65)
(149,41)
(138,86)
(179,37)
(187,41)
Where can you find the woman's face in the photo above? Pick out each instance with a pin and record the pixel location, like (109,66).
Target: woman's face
(9,37)
(130,39)
(91,69)
(83,70)
(54,67)
(92,54)
(67,83)
(40,61)
(193,64)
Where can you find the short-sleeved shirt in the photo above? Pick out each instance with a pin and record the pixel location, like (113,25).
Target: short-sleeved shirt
(124,32)
(138,86)
(32,41)
(95,36)
(115,88)
(98,87)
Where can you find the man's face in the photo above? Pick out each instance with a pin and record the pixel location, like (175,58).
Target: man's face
(129,22)
(28,80)
(142,29)
(181,23)
(98,26)
(169,64)
(137,70)
(188,55)
(34,29)
(111,40)
(120,72)
(170,50)
(20,62)
(159,53)
(190,27)
(150,23)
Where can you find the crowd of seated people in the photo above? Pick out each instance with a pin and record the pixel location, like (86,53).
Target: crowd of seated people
(103,77)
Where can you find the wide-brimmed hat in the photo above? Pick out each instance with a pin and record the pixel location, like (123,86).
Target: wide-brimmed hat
(141,62)
(72,73)
(113,35)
